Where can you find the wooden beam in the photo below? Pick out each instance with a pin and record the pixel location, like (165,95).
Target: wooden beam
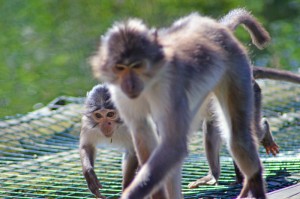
(291,192)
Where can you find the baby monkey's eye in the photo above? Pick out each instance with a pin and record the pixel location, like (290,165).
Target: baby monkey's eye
(98,115)
(110,114)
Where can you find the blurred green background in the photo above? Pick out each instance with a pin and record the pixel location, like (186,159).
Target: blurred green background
(45,44)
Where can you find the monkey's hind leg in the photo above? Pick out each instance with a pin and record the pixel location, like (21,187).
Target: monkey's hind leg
(262,126)
(236,100)
(212,143)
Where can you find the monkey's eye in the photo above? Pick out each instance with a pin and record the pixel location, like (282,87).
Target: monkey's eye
(137,65)
(120,67)
(98,115)
(110,114)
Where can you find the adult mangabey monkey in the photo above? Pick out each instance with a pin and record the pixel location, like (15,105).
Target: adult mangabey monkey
(212,134)
(171,74)
(101,124)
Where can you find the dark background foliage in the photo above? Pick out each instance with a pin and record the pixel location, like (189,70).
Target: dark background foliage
(45,44)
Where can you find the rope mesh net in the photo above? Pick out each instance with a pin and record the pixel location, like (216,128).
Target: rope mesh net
(39,152)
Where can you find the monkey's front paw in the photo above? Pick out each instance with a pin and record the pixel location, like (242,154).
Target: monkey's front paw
(207,180)
(93,183)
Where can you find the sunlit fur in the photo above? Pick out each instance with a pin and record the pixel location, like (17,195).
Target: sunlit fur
(186,64)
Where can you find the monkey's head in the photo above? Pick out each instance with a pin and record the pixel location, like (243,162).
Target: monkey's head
(129,56)
(101,112)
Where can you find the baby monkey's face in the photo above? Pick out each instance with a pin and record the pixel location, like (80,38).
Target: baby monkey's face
(106,120)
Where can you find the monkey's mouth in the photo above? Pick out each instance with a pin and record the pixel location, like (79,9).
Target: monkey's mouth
(107,132)
(132,92)
(132,95)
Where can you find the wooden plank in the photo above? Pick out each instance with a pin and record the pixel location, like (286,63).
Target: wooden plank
(291,192)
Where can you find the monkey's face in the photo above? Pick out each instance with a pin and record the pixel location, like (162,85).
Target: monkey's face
(129,78)
(128,57)
(106,120)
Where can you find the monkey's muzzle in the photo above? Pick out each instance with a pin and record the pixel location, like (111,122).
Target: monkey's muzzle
(107,129)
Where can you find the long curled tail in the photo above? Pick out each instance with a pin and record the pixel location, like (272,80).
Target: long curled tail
(260,37)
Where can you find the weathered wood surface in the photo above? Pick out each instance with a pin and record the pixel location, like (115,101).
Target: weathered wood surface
(291,192)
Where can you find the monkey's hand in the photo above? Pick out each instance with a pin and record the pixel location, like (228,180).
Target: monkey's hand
(93,182)
(207,180)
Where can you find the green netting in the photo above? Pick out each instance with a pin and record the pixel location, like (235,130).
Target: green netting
(39,152)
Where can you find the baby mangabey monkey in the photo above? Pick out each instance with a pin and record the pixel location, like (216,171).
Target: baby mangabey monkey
(101,124)
(212,134)
(172,74)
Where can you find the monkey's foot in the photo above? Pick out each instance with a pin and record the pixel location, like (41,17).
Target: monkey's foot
(273,148)
(255,186)
(207,180)
(268,139)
